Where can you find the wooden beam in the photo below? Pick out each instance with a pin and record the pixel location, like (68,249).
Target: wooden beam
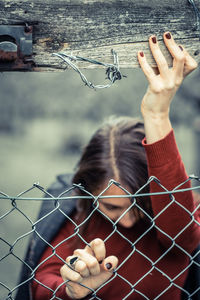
(91,28)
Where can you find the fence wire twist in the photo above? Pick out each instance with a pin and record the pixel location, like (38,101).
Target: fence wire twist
(112,70)
(65,196)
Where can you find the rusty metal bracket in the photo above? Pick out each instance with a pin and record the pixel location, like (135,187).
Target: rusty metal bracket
(16,48)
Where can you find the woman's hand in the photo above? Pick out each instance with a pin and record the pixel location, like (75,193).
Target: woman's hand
(162,86)
(92,269)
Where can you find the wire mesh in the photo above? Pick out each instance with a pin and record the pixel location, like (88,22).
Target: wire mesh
(59,204)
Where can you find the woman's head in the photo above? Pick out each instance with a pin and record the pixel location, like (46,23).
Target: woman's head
(115,151)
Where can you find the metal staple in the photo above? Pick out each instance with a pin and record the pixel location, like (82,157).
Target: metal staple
(64,196)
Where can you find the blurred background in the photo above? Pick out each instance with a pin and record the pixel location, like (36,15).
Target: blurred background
(45,121)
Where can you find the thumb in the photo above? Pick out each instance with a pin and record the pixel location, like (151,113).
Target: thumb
(107,267)
(110,263)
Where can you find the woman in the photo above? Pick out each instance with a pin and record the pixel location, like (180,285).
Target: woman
(146,240)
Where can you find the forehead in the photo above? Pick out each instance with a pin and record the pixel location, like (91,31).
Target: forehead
(114,190)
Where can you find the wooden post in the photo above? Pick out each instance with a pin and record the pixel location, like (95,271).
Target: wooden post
(91,28)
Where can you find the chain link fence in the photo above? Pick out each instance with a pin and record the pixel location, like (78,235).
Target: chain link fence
(59,203)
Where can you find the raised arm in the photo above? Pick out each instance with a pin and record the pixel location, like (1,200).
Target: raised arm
(163,85)
(164,161)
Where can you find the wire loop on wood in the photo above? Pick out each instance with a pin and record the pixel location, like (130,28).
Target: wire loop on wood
(112,70)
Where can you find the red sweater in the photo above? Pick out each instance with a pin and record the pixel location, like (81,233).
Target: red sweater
(152,265)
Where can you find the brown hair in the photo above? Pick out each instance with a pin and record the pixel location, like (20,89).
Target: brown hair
(115,151)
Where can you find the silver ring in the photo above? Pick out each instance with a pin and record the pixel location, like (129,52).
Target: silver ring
(73,261)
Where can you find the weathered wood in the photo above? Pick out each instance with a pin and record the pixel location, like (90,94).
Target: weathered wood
(90,28)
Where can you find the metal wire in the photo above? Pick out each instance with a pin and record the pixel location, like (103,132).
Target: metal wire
(132,288)
(197,14)
(112,70)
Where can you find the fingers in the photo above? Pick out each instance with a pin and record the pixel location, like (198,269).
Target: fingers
(158,55)
(110,263)
(80,266)
(190,62)
(177,53)
(162,66)
(81,269)
(92,255)
(146,68)
(99,249)
(89,261)
(183,63)
(69,274)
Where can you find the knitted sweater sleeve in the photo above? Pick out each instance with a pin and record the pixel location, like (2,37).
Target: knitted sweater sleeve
(48,283)
(175,217)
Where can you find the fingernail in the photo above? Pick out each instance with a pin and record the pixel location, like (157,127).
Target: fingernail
(100,262)
(168,35)
(181,47)
(154,40)
(142,54)
(108,266)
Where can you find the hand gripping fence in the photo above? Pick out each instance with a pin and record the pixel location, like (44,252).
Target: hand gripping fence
(58,206)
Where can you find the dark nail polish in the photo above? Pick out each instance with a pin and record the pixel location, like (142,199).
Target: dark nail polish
(108,266)
(168,36)
(100,262)
(154,40)
(181,47)
(142,54)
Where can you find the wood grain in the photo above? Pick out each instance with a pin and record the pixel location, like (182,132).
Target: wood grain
(90,28)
